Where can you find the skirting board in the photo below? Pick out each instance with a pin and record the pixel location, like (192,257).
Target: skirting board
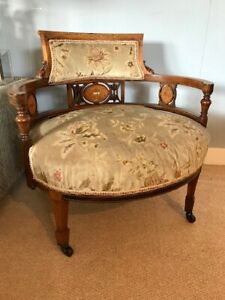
(215,156)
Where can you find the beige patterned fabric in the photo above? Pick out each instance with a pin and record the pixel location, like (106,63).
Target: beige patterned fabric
(85,59)
(116,149)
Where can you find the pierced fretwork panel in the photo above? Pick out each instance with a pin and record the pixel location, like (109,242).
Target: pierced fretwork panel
(167,94)
(96,93)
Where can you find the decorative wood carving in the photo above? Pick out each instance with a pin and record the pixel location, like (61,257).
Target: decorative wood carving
(150,70)
(98,92)
(42,71)
(167,94)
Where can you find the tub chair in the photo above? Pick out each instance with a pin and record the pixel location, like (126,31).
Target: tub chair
(101,146)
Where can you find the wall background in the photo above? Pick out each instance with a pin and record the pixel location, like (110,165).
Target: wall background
(183,37)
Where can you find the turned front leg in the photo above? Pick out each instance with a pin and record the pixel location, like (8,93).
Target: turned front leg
(60,209)
(190,199)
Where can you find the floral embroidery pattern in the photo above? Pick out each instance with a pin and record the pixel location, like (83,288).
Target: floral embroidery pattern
(127,126)
(130,64)
(57,175)
(144,170)
(99,59)
(140,138)
(98,55)
(163,145)
(117,148)
(79,74)
(176,125)
(131,129)
(116,48)
(80,134)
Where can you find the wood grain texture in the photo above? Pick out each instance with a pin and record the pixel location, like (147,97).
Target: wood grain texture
(167,94)
(60,210)
(96,93)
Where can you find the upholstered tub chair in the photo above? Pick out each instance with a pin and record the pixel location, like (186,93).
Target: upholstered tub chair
(102,147)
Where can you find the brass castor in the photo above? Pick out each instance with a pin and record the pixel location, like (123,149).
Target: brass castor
(190,217)
(67,250)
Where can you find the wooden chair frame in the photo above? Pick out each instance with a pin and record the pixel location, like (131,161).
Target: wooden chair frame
(23,98)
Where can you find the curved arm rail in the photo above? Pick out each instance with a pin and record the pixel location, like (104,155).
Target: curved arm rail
(23,97)
(204,85)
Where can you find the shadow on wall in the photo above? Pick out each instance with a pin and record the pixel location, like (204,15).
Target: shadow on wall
(216,126)
(20,37)
(155,59)
(216,117)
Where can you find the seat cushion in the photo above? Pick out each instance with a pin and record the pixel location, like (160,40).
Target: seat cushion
(116,150)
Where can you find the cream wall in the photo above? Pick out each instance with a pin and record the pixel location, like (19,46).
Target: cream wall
(181,37)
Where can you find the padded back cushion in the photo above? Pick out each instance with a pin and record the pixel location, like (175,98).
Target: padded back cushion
(94,59)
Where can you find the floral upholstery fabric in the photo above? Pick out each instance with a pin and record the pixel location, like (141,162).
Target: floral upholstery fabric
(77,60)
(116,149)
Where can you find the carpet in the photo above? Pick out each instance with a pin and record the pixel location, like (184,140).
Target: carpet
(139,249)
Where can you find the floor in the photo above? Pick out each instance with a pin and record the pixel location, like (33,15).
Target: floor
(142,249)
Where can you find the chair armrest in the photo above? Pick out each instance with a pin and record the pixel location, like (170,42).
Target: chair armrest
(22,97)
(27,86)
(201,84)
(205,86)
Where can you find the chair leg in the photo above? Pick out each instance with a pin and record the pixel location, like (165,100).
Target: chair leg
(190,199)
(29,176)
(60,208)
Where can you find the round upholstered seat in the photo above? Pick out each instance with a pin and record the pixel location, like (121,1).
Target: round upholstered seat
(116,150)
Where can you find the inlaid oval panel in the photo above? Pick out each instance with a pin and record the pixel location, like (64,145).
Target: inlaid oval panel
(167,94)
(32,104)
(96,93)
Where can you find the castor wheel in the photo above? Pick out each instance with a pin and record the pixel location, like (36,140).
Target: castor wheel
(67,250)
(190,217)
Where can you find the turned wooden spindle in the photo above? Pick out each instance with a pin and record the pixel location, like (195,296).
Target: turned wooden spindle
(205,103)
(23,120)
